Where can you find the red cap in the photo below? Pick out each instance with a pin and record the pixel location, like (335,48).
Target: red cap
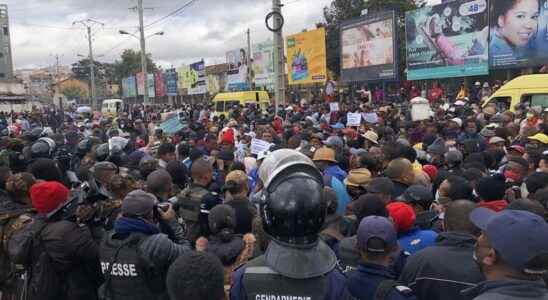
(431,170)
(518,149)
(402,214)
(47,196)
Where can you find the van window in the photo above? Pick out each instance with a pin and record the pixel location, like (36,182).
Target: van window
(502,103)
(220,106)
(539,100)
(231,104)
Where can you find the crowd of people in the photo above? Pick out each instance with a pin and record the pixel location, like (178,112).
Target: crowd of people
(450,207)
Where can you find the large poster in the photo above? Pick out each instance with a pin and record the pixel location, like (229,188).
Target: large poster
(367,48)
(447,40)
(125,88)
(140,83)
(132,86)
(185,78)
(519,33)
(171,82)
(263,64)
(306,57)
(237,70)
(159,84)
(198,79)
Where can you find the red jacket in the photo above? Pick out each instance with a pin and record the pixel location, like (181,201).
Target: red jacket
(497,205)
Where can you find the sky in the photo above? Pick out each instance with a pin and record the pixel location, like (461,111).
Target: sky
(40,29)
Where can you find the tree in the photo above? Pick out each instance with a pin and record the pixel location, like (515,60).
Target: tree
(104,72)
(130,64)
(342,10)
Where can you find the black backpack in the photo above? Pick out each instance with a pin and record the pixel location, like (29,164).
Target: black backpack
(10,223)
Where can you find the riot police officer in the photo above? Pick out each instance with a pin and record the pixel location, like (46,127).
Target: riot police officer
(296,264)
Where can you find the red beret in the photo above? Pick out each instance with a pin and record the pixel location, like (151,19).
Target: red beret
(402,214)
(47,196)
(431,170)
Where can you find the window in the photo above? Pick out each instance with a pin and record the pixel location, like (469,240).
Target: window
(539,100)
(220,106)
(502,103)
(231,104)
(6,31)
(2,75)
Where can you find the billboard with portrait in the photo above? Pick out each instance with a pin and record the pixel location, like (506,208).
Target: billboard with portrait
(171,82)
(198,79)
(236,79)
(368,49)
(448,40)
(306,57)
(519,33)
(263,64)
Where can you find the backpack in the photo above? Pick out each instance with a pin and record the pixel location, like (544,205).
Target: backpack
(386,286)
(10,222)
(189,203)
(28,253)
(228,136)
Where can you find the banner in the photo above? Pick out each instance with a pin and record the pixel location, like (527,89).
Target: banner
(306,57)
(519,33)
(132,86)
(237,70)
(171,82)
(159,84)
(184,78)
(213,84)
(125,88)
(198,79)
(150,85)
(140,83)
(447,40)
(263,65)
(368,48)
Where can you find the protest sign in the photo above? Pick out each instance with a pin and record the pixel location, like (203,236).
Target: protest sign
(353,119)
(258,146)
(334,106)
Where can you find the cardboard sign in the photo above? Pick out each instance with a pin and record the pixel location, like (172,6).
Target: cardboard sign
(172,125)
(334,106)
(371,118)
(353,119)
(258,146)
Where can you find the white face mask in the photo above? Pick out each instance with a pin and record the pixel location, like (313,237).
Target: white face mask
(437,196)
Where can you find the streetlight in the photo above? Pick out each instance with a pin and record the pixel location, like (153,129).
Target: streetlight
(143,56)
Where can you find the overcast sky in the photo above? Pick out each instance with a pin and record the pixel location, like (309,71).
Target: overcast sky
(207,29)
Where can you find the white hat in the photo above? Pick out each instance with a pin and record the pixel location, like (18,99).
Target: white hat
(477,83)
(486,84)
(460,103)
(496,139)
(458,121)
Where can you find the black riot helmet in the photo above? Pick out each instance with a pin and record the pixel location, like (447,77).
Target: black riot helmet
(42,148)
(102,152)
(291,202)
(83,147)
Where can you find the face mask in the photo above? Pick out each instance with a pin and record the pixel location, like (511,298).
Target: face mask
(429,158)
(437,197)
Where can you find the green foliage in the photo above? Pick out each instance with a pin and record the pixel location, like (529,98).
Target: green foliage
(342,10)
(103,71)
(73,92)
(130,64)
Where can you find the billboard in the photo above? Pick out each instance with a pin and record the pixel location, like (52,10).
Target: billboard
(306,57)
(198,79)
(159,84)
(368,48)
(184,78)
(125,88)
(447,40)
(132,86)
(263,64)
(171,82)
(237,70)
(519,33)
(140,83)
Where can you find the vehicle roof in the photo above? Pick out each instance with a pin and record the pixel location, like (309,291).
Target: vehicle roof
(534,81)
(113,100)
(239,95)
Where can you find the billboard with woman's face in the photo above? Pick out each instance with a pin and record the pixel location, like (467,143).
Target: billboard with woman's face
(447,40)
(519,36)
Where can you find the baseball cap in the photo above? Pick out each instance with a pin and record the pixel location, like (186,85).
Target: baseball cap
(517,148)
(540,137)
(403,215)
(518,236)
(496,139)
(417,193)
(48,196)
(376,227)
(453,156)
(358,178)
(138,203)
(458,121)
(334,141)
(381,185)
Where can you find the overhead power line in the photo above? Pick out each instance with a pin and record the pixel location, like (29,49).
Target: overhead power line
(171,14)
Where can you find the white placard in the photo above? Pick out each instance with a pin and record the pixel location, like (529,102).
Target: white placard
(353,119)
(371,118)
(334,106)
(258,146)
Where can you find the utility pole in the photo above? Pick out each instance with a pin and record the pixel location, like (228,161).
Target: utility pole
(279,64)
(143,50)
(88,24)
(249,61)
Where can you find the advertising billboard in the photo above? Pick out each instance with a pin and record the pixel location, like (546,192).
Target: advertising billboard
(159,84)
(184,78)
(171,82)
(368,49)
(198,79)
(132,86)
(263,64)
(150,85)
(519,33)
(140,83)
(237,70)
(447,40)
(306,57)
(125,88)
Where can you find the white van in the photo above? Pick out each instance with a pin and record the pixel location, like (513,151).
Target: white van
(111,107)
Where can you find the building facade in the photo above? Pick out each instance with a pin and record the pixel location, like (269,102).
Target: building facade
(6,63)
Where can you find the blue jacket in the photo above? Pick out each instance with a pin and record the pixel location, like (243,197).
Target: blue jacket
(508,290)
(337,287)
(363,282)
(343,198)
(416,240)
(335,171)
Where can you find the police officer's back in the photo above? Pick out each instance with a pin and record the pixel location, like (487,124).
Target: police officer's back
(377,242)
(296,264)
(136,256)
